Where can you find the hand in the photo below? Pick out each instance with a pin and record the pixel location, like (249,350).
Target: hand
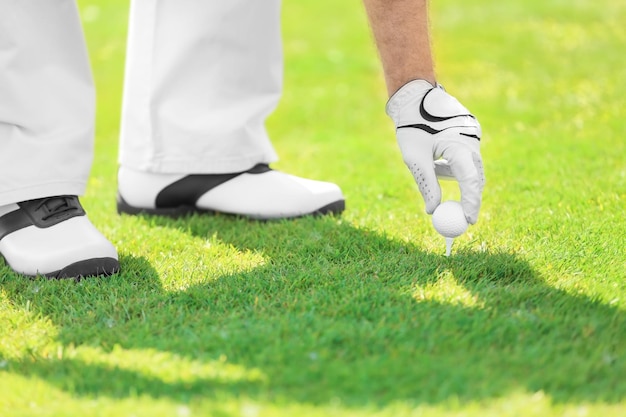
(439,137)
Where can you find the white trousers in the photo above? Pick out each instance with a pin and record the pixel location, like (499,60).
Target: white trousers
(200,79)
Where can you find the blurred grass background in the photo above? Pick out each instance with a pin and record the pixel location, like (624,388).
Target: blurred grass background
(361,315)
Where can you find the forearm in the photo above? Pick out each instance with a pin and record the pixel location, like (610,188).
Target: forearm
(401,31)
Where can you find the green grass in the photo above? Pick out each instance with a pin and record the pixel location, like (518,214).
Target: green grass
(362,315)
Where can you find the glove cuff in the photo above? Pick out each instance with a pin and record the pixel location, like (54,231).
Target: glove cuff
(406,93)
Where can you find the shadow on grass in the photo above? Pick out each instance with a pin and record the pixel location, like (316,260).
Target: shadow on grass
(336,314)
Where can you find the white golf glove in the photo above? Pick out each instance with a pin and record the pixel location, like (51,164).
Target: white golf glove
(438,137)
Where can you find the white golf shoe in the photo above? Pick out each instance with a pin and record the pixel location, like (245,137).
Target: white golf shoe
(259,193)
(53,237)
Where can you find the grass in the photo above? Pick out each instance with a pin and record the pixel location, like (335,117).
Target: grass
(361,315)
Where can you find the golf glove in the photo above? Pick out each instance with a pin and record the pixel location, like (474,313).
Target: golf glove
(438,137)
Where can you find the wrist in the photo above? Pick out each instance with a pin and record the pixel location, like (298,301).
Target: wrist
(407,93)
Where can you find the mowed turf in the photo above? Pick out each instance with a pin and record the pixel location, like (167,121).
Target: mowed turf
(362,315)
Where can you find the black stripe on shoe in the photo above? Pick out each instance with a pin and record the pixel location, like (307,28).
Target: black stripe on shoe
(188,190)
(14,221)
(179,198)
(41,212)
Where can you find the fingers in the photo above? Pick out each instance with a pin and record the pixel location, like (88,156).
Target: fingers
(424,173)
(467,167)
(418,156)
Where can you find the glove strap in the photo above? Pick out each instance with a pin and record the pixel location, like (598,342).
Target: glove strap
(410,90)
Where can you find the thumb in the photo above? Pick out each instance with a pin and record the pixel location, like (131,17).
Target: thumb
(468,170)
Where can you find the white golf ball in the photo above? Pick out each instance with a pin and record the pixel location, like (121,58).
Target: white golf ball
(449,219)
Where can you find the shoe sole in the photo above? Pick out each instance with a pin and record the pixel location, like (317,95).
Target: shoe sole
(96,267)
(123,207)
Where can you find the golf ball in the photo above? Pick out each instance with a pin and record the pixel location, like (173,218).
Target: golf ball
(449,219)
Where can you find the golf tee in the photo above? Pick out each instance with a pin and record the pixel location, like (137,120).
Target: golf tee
(449,242)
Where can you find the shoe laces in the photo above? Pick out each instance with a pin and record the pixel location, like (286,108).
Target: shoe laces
(59,205)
